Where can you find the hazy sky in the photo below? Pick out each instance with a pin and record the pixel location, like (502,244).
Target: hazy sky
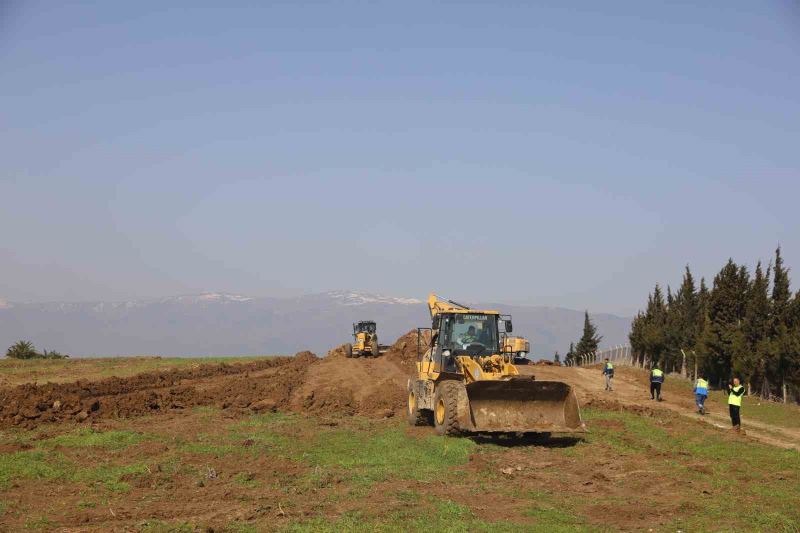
(549,154)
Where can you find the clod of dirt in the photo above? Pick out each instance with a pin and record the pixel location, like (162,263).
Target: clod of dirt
(264,405)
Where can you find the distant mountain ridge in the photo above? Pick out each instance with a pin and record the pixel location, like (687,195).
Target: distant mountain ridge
(230,324)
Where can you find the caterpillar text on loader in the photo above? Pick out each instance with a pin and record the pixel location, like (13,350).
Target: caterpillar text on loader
(465,384)
(365,340)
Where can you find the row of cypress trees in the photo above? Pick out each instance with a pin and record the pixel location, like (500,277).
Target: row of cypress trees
(745,326)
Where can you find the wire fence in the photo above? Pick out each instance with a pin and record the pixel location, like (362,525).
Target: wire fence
(619,355)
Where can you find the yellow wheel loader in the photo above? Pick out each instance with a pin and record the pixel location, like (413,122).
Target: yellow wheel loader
(365,340)
(465,383)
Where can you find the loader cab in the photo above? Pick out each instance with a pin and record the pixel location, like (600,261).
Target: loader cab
(365,326)
(463,334)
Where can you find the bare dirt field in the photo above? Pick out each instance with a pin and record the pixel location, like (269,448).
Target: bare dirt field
(305,444)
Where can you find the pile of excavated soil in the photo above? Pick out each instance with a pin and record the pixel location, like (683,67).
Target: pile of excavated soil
(303,383)
(404,350)
(371,386)
(270,382)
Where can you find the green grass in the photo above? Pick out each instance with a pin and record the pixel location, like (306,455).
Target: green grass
(109,475)
(39,523)
(334,470)
(245,479)
(45,465)
(777,414)
(32,464)
(87,437)
(444,516)
(62,370)
(385,454)
(743,476)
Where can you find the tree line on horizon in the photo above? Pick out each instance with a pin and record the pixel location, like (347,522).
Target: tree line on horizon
(745,326)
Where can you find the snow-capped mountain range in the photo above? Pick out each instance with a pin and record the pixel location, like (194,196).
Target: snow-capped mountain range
(230,324)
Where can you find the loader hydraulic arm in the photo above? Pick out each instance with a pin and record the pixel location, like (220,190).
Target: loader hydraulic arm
(438,305)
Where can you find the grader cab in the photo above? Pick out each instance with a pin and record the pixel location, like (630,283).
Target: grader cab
(365,340)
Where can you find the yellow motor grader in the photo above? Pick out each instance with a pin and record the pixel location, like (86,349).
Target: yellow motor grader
(365,340)
(465,383)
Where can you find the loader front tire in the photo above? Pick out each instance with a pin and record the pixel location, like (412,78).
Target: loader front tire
(373,347)
(348,350)
(445,409)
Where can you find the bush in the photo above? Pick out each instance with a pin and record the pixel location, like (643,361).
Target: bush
(52,354)
(25,350)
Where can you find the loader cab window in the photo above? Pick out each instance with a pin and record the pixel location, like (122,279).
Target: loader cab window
(470,334)
(365,327)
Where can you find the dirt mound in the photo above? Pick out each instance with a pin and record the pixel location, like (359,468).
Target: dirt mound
(374,386)
(338,352)
(404,350)
(224,385)
(614,405)
(305,383)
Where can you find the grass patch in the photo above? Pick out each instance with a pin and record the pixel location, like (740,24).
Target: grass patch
(390,453)
(766,479)
(32,464)
(87,437)
(39,523)
(245,479)
(444,515)
(110,475)
(556,519)
(65,370)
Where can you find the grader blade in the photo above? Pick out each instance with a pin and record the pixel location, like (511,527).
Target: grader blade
(522,405)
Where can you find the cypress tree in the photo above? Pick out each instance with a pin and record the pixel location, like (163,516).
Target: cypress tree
(783,351)
(725,342)
(701,330)
(590,340)
(756,330)
(570,357)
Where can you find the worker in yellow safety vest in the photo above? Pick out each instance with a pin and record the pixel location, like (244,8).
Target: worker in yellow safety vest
(701,393)
(735,393)
(656,379)
(608,374)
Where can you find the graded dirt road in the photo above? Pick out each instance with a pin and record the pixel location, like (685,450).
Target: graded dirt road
(632,390)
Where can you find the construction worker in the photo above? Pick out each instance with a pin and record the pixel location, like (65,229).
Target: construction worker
(735,393)
(701,393)
(469,337)
(608,372)
(656,379)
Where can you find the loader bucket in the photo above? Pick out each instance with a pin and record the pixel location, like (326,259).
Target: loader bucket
(523,405)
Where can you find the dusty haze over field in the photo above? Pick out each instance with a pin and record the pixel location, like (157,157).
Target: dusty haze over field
(547,155)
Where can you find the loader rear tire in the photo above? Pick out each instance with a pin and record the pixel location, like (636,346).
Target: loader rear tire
(445,408)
